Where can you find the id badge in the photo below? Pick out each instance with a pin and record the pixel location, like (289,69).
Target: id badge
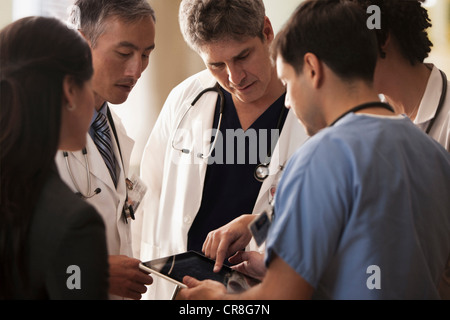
(136,191)
(260,228)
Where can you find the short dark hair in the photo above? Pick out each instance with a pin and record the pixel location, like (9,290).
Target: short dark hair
(407,21)
(336,32)
(93,14)
(204,21)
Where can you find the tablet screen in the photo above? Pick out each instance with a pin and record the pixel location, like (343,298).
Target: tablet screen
(201,268)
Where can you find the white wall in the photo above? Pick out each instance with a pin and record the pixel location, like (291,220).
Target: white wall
(439,13)
(5,12)
(279,11)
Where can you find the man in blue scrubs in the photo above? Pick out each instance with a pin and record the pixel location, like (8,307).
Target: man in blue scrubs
(362,208)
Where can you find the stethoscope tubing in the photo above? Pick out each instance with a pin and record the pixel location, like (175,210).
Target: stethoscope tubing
(88,176)
(215,88)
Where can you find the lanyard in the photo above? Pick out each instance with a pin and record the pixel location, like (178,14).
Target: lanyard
(362,107)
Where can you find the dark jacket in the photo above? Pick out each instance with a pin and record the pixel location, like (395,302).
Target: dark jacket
(67,254)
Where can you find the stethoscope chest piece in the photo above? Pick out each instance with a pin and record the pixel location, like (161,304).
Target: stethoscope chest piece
(262,172)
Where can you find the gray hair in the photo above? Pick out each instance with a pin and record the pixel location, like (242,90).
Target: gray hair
(205,21)
(94,13)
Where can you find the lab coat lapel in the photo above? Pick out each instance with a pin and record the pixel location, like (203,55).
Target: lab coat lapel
(123,160)
(201,115)
(292,137)
(202,125)
(126,145)
(430,101)
(97,164)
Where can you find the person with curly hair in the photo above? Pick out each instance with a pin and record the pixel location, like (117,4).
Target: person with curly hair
(413,87)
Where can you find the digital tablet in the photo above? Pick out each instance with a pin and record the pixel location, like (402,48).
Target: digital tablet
(191,263)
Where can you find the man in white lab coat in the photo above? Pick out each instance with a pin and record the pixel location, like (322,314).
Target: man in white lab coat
(194,184)
(121,35)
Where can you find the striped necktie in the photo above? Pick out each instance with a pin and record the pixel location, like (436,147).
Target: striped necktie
(102,140)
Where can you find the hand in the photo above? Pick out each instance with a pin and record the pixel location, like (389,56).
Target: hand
(250,263)
(126,279)
(201,290)
(227,240)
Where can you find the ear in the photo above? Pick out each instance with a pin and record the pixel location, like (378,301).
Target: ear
(86,38)
(83,35)
(268,30)
(69,92)
(313,69)
(385,46)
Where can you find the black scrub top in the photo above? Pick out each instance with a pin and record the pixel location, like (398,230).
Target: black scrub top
(230,188)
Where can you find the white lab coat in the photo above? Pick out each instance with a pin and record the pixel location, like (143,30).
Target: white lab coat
(428,108)
(175,180)
(109,202)
(440,132)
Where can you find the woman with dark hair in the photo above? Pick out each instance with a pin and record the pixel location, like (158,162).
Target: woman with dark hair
(52,244)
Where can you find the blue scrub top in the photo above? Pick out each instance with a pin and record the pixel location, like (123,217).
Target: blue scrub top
(362,211)
(230,188)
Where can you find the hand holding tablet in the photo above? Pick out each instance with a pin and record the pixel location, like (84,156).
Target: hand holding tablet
(175,268)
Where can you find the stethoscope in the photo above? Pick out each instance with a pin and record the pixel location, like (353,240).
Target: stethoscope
(215,88)
(88,195)
(79,193)
(127,209)
(262,170)
(363,106)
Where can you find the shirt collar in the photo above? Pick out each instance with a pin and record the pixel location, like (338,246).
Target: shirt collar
(103,110)
(430,101)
